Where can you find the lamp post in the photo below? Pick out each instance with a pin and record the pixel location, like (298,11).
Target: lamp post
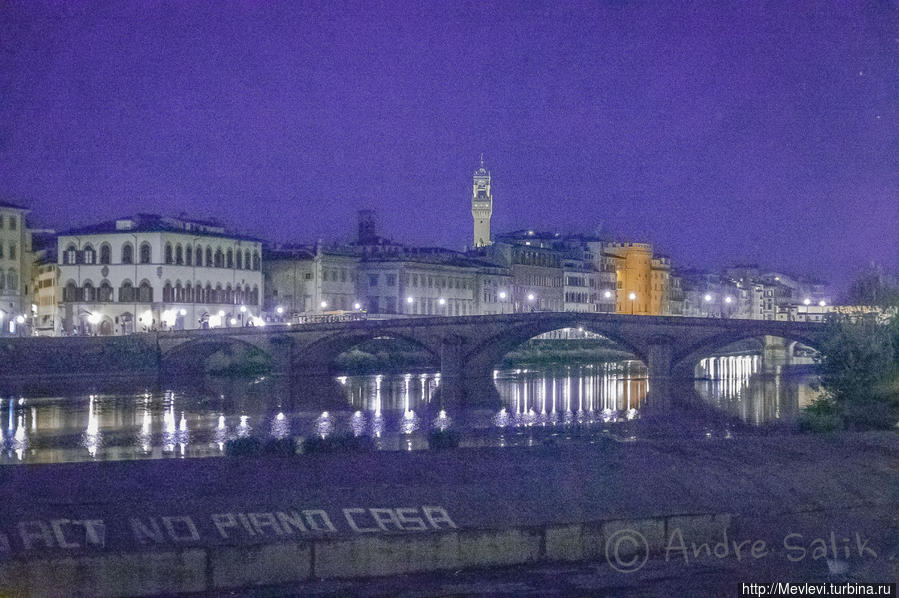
(632,296)
(708,300)
(531,299)
(727,301)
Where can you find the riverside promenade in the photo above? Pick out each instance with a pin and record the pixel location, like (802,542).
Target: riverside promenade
(769,505)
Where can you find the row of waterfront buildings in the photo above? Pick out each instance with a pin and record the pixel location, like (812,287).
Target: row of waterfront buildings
(149,272)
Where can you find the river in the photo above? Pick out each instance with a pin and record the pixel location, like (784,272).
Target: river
(82,420)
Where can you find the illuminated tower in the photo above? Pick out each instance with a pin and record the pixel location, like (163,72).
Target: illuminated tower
(481,205)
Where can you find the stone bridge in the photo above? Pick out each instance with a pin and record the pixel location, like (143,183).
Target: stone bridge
(467,349)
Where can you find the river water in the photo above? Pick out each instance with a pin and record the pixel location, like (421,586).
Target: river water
(81,420)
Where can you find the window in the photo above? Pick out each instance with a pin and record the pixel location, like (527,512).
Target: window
(145,253)
(255,260)
(12,251)
(88,292)
(230,258)
(372,280)
(70,256)
(208,256)
(246,260)
(70,292)
(105,292)
(391,281)
(168,254)
(13,222)
(308,276)
(89,254)
(189,255)
(105,254)
(219,258)
(239,260)
(126,292)
(145,292)
(179,254)
(167,292)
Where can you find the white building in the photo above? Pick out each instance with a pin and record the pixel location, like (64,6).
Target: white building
(151,272)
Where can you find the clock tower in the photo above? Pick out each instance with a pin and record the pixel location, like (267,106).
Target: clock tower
(481,205)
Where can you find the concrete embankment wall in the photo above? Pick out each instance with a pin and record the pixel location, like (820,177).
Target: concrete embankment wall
(72,356)
(234,567)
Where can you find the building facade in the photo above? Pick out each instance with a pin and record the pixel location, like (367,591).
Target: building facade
(149,272)
(15,271)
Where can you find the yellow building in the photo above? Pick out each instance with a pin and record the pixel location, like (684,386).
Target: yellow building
(642,280)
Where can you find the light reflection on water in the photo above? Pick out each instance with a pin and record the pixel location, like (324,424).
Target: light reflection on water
(397,411)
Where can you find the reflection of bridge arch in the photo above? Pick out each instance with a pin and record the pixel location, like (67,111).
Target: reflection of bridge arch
(685,360)
(320,356)
(191,356)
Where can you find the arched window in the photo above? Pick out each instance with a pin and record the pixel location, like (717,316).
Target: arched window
(12,280)
(70,292)
(189,255)
(145,292)
(146,255)
(218,296)
(188,293)
(246,260)
(230,258)
(179,292)
(229,294)
(167,292)
(105,254)
(3,282)
(89,255)
(88,292)
(127,254)
(255,260)
(168,253)
(254,297)
(105,291)
(70,256)
(208,256)
(126,292)
(207,294)
(179,254)
(239,260)
(219,258)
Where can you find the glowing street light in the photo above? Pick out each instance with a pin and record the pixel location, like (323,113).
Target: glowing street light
(807,301)
(632,296)
(441,301)
(531,297)
(607,294)
(728,299)
(409,300)
(243,309)
(707,298)
(822,303)
(324,304)
(357,305)
(502,294)
(94,318)
(221,313)
(279,309)
(233,321)
(182,312)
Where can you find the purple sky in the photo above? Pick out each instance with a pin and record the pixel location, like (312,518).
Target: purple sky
(755,131)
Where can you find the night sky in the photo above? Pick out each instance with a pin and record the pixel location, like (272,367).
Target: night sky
(750,131)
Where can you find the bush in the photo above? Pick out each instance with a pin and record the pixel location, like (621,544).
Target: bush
(821,416)
(243,447)
(443,439)
(280,447)
(347,443)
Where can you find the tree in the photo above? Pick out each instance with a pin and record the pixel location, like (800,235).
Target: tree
(859,366)
(873,288)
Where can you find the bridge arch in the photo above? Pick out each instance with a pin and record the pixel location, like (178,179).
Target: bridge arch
(191,356)
(490,352)
(686,359)
(320,356)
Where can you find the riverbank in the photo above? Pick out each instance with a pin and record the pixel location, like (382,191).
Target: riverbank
(229,523)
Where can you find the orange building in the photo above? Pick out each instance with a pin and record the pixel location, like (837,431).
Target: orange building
(642,280)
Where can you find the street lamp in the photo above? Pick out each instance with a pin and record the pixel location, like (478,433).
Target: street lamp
(324,304)
(632,296)
(357,305)
(822,303)
(502,294)
(409,300)
(243,309)
(707,299)
(807,301)
(279,309)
